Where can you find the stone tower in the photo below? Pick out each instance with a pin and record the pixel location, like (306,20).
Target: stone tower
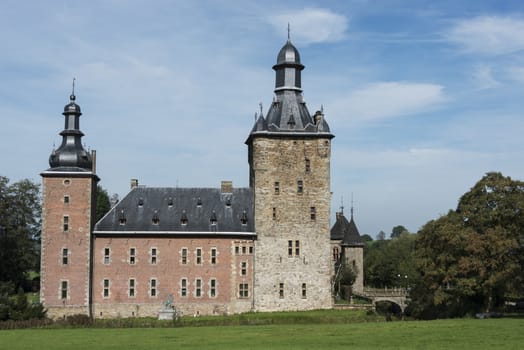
(289,159)
(69,194)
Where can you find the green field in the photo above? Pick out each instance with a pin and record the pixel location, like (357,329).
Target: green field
(505,333)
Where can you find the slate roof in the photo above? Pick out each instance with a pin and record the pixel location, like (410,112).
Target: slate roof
(183,210)
(346,231)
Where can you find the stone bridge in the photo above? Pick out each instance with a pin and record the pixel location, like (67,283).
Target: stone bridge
(399,296)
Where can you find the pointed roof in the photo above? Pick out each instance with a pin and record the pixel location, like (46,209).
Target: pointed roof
(346,231)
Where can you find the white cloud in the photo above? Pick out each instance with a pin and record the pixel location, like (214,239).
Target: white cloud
(388,99)
(516,73)
(483,77)
(311,25)
(488,35)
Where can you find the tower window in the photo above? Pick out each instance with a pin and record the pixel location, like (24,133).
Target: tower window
(335,254)
(308,166)
(132,256)
(297,248)
(132,287)
(198,288)
(66,223)
(277,187)
(152,287)
(212,288)
(281,291)
(243,268)
(213,256)
(65,256)
(274,213)
(184,256)
(243,290)
(300,186)
(153,256)
(313,213)
(106,256)
(63,290)
(106,288)
(66,199)
(290,248)
(183,287)
(304,291)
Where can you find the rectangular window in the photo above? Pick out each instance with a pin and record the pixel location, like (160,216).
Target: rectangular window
(308,166)
(300,186)
(213,288)
(274,213)
(250,250)
(281,291)
(106,288)
(290,248)
(297,248)
(304,292)
(243,268)
(184,256)
(213,256)
(153,256)
(66,223)
(66,199)
(152,287)
(237,250)
(277,187)
(199,256)
(243,290)
(106,256)
(183,287)
(65,256)
(313,213)
(243,249)
(132,256)
(198,288)
(132,287)
(63,290)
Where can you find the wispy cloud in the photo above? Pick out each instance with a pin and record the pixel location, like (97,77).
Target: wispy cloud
(483,77)
(516,73)
(488,35)
(389,99)
(312,25)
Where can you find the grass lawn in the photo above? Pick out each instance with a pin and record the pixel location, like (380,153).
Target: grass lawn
(505,333)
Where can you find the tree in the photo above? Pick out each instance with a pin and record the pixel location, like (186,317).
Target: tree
(381,236)
(19,230)
(345,278)
(397,231)
(472,258)
(366,238)
(103,205)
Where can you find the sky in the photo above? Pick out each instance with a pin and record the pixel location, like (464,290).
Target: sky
(423,97)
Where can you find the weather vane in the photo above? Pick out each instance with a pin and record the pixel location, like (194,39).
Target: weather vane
(73,91)
(288,31)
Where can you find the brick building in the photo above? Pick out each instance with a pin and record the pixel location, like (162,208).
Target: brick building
(215,250)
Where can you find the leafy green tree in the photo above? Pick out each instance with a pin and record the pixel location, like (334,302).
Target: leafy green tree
(19,230)
(397,231)
(366,238)
(344,280)
(473,258)
(103,204)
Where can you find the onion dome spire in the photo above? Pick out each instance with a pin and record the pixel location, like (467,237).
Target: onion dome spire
(71,155)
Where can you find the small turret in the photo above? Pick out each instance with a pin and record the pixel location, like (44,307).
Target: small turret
(71,155)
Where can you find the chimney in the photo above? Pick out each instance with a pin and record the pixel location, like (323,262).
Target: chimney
(226,187)
(134,183)
(93,161)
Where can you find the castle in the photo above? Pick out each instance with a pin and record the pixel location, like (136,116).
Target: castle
(222,250)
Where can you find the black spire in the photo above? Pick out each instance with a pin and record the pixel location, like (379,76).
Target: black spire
(71,155)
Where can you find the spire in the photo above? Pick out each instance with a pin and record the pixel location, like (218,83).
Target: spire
(288,32)
(71,155)
(351,206)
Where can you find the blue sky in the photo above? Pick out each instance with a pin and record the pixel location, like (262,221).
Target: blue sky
(424,97)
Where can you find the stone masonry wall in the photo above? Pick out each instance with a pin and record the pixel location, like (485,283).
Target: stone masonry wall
(300,280)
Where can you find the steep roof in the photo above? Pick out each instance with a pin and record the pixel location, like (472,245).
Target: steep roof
(184,210)
(346,231)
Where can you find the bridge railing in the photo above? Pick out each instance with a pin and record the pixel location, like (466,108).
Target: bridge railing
(386,292)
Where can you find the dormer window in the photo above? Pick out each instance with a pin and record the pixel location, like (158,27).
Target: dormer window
(199,202)
(140,202)
(213,218)
(183,218)
(170,201)
(156,219)
(228,201)
(243,218)
(122,218)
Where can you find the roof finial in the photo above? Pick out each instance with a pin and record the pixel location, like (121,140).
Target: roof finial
(322,109)
(261,109)
(72,97)
(288,32)
(342,205)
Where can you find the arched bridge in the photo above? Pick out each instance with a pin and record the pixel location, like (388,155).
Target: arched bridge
(399,296)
